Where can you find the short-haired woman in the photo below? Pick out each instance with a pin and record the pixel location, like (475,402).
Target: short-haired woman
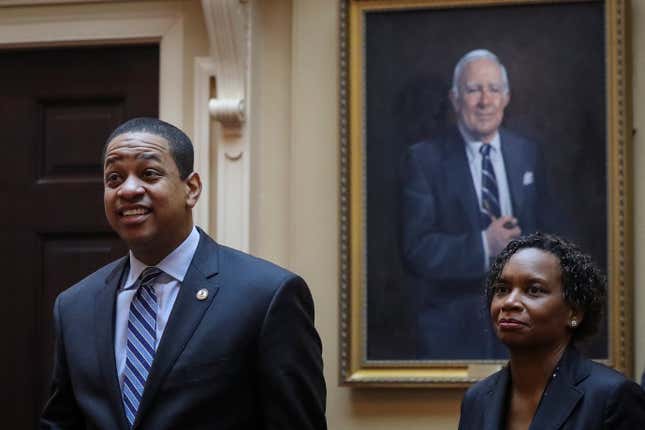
(544,294)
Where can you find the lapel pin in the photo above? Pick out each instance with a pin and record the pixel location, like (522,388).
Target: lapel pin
(202,294)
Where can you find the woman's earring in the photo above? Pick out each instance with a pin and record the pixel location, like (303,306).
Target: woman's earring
(573,323)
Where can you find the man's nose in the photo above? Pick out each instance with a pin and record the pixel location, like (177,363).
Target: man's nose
(485,97)
(131,188)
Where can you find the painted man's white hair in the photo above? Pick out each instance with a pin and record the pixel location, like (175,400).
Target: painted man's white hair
(471,56)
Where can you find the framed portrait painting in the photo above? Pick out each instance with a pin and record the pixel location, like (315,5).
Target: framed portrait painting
(540,90)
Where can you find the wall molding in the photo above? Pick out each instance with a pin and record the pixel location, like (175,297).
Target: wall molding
(229,29)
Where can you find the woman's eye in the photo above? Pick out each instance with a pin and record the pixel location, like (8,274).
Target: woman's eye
(535,290)
(150,173)
(500,289)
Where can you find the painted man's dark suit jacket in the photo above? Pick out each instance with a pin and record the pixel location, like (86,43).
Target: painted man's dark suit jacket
(583,396)
(247,357)
(442,235)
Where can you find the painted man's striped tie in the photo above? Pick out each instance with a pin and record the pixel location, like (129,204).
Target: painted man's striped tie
(142,326)
(490,194)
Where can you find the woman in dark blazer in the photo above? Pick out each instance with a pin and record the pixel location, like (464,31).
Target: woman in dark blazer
(544,294)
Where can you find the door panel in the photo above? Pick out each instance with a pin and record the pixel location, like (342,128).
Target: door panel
(57,107)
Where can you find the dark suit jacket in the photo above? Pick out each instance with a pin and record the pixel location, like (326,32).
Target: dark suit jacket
(584,396)
(441,216)
(247,357)
(442,237)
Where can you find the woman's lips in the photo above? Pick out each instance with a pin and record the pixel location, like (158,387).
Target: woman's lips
(510,324)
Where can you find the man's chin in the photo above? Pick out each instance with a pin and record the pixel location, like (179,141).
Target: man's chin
(485,134)
(136,239)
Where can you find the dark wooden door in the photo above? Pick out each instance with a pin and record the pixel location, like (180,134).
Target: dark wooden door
(57,107)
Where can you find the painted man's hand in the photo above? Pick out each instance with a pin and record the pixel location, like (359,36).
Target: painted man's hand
(501,231)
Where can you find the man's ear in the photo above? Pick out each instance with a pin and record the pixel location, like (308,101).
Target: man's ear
(193,189)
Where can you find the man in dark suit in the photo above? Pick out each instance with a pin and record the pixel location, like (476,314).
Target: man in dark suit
(465,195)
(182,333)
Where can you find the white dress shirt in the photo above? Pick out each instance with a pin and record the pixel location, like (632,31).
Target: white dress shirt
(166,286)
(475,164)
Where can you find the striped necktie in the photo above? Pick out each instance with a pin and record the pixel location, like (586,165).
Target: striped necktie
(140,351)
(490,194)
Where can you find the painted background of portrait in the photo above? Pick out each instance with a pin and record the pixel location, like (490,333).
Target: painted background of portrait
(555,58)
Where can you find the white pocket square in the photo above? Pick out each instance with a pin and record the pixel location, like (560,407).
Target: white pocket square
(528,178)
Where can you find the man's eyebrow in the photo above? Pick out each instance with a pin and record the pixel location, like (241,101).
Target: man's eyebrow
(110,159)
(148,156)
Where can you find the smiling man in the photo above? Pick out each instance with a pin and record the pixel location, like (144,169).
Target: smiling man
(465,194)
(182,333)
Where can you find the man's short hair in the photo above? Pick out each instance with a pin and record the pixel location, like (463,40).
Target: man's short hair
(181,148)
(471,56)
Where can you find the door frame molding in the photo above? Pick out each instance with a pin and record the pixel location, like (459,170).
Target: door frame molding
(44,23)
(103,24)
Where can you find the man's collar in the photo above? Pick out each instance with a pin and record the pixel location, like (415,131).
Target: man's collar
(473,145)
(174,264)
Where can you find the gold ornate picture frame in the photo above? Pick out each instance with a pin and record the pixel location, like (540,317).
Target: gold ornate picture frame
(568,70)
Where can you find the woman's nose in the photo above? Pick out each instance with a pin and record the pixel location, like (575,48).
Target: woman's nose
(512,299)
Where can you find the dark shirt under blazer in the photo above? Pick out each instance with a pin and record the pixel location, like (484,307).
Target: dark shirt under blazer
(583,396)
(247,357)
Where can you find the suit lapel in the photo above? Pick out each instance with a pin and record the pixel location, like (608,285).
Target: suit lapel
(461,178)
(562,394)
(495,404)
(186,314)
(514,166)
(104,311)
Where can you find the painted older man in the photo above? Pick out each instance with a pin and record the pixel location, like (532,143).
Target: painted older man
(465,194)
